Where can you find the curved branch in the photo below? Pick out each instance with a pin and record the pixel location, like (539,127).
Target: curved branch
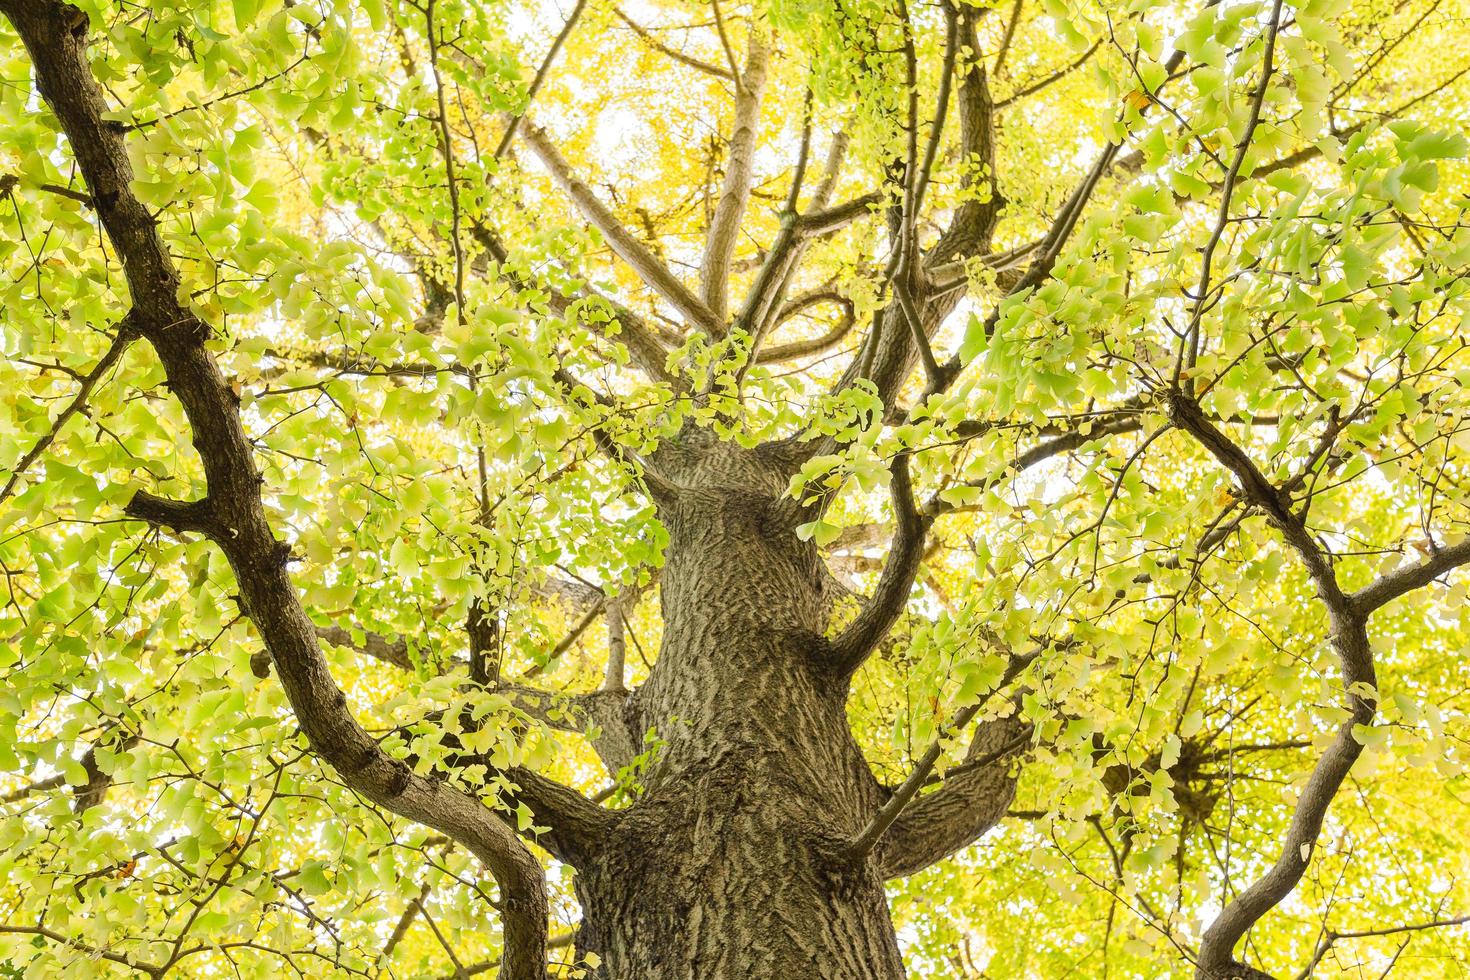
(55,35)
(762,308)
(1349,639)
(816,345)
(1047,80)
(847,651)
(1402,581)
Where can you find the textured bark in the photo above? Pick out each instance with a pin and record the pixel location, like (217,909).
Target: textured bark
(727,866)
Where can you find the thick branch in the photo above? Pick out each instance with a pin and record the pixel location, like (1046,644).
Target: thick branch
(574,824)
(817,345)
(55,35)
(653,272)
(617,648)
(851,647)
(603,712)
(974,220)
(179,516)
(724,229)
(972,798)
(1402,581)
(824,220)
(390,650)
(1349,639)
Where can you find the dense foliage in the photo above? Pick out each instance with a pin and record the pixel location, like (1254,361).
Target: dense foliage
(465,266)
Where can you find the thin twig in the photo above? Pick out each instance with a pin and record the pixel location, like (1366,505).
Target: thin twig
(541,73)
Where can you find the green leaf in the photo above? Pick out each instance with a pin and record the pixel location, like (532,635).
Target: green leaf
(822,532)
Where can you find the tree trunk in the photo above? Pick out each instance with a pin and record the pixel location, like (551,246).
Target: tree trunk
(728,865)
(730,876)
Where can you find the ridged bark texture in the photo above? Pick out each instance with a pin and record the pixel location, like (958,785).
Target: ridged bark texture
(726,867)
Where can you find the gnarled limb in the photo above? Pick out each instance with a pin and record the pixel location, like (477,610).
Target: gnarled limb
(972,798)
(232,514)
(1349,639)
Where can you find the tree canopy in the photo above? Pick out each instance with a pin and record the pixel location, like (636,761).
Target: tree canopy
(1115,350)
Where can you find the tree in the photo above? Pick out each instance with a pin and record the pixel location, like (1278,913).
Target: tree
(640,493)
